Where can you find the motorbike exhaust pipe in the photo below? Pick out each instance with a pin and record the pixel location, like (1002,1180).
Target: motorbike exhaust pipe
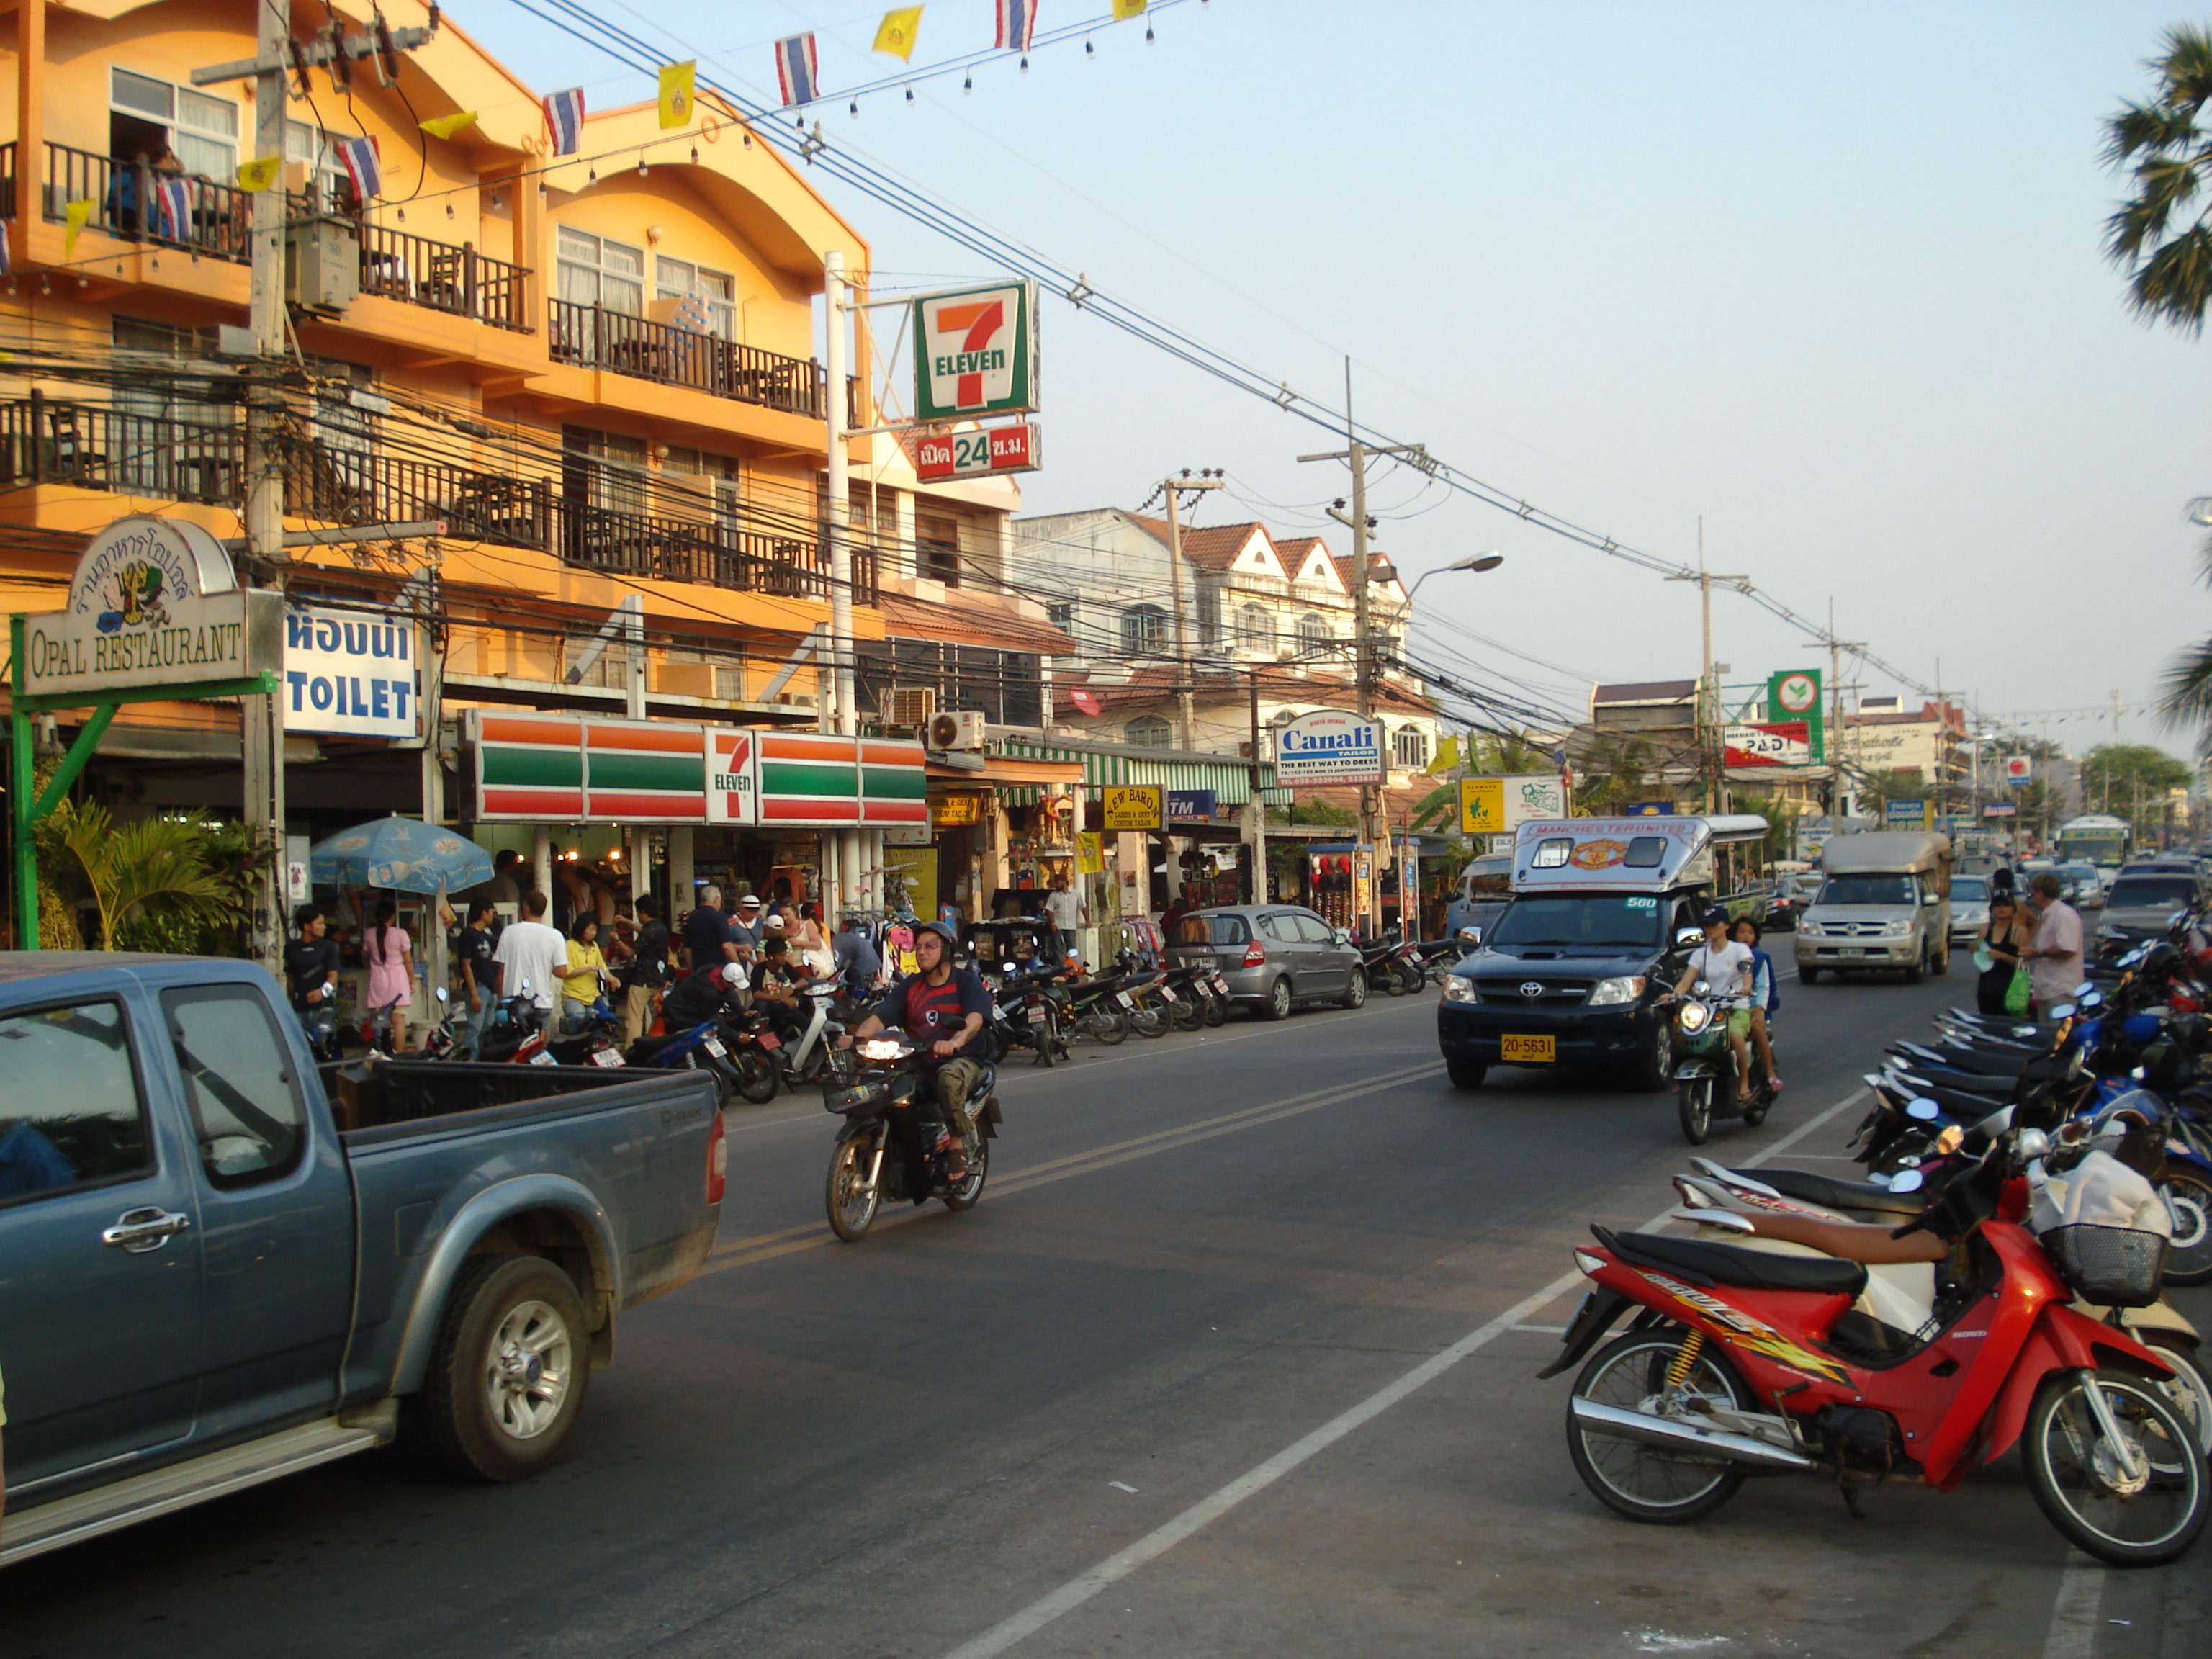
(1677,1435)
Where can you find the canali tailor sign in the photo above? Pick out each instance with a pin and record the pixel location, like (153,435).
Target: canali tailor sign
(1329,747)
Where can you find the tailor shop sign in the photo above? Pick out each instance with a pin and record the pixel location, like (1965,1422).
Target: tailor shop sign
(351,672)
(154,602)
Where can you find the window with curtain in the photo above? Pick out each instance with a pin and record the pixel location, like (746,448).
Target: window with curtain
(1314,631)
(700,487)
(1144,630)
(677,279)
(203,130)
(317,151)
(1255,627)
(595,271)
(937,548)
(1149,731)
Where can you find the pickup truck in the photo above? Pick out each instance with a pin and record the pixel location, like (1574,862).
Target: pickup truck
(219,1265)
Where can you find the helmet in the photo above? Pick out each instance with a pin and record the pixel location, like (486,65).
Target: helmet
(2162,959)
(944,931)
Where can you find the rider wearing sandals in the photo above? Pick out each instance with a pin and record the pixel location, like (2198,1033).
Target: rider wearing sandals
(943,1008)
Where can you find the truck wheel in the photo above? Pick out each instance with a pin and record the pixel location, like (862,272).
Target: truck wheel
(1656,1071)
(1914,974)
(1808,975)
(1465,1073)
(506,1378)
(1941,965)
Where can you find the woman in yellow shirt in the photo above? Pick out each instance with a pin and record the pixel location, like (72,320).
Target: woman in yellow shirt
(585,979)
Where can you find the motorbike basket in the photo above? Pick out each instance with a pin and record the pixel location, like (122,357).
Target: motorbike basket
(860,1098)
(2113,1266)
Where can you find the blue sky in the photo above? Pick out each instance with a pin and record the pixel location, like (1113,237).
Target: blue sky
(1827,275)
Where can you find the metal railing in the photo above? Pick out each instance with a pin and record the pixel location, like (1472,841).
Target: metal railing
(441,276)
(125,200)
(108,446)
(595,337)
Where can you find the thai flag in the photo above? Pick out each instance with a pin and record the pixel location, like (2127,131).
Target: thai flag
(173,210)
(796,74)
(1017,23)
(564,120)
(363,165)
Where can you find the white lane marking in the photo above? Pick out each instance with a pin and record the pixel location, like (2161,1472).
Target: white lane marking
(2074,1613)
(1809,1125)
(1162,1539)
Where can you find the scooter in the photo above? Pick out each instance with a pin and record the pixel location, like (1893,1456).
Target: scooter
(1744,1362)
(1704,1073)
(884,1149)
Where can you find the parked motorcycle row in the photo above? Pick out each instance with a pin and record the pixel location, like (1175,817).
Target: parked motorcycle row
(1998,1280)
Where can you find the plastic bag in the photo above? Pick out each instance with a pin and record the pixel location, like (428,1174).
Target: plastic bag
(2020,992)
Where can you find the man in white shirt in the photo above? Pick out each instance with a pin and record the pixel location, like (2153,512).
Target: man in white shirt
(1725,965)
(1065,910)
(529,950)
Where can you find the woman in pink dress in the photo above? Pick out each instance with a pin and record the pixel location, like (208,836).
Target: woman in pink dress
(384,948)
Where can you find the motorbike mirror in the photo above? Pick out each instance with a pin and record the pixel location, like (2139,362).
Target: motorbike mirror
(442,997)
(2062,1010)
(2032,1143)
(1907,1181)
(1924,1109)
(1700,988)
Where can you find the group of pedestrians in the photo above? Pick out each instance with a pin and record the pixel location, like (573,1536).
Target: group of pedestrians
(2038,940)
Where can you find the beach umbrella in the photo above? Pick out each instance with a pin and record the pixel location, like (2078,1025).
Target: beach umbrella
(405,855)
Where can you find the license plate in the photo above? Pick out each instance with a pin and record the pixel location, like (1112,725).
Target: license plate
(607,1057)
(1169,994)
(714,1046)
(770,1041)
(997,1013)
(544,1057)
(1527,1050)
(1036,1016)
(1125,998)
(1221,985)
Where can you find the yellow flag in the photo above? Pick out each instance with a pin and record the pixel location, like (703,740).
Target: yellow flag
(74,214)
(1447,758)
(1124,10)
(257,176)
(445,126)
(676,81)
(895,33)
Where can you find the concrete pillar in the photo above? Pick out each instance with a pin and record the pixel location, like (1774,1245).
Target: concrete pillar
(682,895)
(541,863)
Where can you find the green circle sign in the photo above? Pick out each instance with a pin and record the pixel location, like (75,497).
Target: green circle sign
(1797,692)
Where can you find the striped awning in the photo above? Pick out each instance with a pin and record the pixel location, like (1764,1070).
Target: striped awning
(1228,776)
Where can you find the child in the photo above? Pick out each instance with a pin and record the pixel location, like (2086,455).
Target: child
(1765,998)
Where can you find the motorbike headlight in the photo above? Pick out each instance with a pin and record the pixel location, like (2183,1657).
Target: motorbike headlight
(1695,1018)
(1458,988)
(1612,992)
(880,1048)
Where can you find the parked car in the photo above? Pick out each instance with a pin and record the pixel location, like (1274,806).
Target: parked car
(215,1268)
(1275,956)
(1970,908)
(2143,900)
(2084,889)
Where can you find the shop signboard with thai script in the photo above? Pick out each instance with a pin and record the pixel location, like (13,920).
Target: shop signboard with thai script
(152,602)
(1330,746)
(351,672)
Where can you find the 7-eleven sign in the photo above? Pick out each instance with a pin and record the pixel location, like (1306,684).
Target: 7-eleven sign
(974,352)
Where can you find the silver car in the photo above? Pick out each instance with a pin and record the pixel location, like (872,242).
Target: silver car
(1273,956)
(1970,908)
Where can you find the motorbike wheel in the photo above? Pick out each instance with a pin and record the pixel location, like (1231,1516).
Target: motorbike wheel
(757,1077)
(2189,1201)
(1693,1104)
(2189,1394)
(1188,1016)
(1385,979)
(1410,978)
(1110,1025)
(2084,1489)
(1149,1020)
(964,1196)
(1216,1009)
(1044,1038)
(995,1044)
(1647,1483)
(851,1210)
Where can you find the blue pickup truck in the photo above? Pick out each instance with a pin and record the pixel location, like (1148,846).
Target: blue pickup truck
(219,1265)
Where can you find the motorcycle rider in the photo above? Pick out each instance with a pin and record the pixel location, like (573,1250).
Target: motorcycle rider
(704,996)
(1726,966)
(944,1008)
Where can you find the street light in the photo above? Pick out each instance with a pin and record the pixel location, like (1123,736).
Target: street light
(1474,561)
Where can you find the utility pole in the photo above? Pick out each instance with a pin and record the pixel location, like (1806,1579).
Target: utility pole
(1255,805)
(261,719)
(1186,717)
(1371,795)
(1709,693)
(1839,787)
(841,867)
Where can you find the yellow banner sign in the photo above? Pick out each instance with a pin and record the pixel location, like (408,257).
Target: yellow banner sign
(1134,806)
(955,810)
(1089,853)
(1482,807)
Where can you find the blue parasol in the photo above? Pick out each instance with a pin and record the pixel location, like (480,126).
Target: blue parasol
(403,854)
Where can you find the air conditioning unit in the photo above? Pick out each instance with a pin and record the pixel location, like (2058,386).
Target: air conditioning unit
(909,706)
(955,729)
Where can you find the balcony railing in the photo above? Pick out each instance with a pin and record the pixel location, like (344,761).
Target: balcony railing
(103,447)
(646,350)
(440,277)
(127,200)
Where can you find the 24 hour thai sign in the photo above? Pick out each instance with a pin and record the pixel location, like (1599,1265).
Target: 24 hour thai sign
(974,352)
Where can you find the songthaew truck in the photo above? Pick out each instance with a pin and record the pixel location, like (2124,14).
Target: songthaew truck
(1567,975)
(1885,902)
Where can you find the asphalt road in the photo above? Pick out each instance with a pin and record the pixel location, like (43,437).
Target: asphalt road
(1236,1357)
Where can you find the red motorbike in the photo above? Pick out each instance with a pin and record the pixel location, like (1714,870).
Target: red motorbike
(1741,1362)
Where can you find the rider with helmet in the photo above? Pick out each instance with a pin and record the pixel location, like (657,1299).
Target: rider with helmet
(944,1009)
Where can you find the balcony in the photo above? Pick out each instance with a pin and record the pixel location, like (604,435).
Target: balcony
(216,220)
(440,277)
(103,447)
(593,338)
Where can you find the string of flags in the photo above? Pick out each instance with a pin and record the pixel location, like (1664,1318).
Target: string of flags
(797,73)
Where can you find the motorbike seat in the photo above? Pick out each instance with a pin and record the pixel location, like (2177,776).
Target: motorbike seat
(1846,1195)
(1696,1260)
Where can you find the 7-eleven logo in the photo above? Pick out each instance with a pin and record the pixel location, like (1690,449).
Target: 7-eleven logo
(732,796)
(971,352)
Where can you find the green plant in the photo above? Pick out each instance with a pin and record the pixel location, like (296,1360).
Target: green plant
(152,881)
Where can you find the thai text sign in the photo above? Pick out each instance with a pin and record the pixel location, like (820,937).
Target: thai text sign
(974,352)
(1330,746)
(350,671)
(1906,815)
(1783,743)
(975,455)
(1132,806)
(1499,807)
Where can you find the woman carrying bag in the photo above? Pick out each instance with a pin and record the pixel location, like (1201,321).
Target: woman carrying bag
(2010,931)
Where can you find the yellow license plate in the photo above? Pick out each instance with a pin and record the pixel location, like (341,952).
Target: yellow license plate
(1527,1051)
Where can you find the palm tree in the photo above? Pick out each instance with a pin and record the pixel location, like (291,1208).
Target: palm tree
(150,878)
(2169,158)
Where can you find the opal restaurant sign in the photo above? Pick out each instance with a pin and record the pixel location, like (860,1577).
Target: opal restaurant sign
(153,602)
